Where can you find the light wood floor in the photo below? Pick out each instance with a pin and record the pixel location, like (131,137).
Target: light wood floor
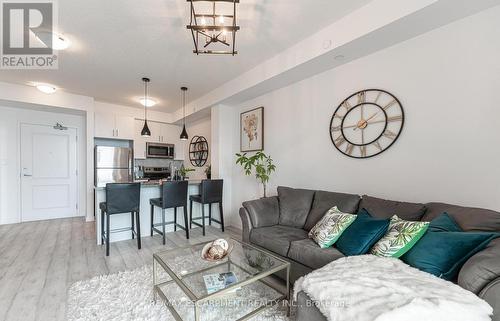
(40,260)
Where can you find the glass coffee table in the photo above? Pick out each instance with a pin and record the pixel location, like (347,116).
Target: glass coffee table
(178,281)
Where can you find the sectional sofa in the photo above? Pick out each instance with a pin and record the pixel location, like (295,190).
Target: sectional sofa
(281,224)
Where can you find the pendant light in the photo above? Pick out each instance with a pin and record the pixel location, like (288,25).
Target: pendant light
(184,134)
(145,130)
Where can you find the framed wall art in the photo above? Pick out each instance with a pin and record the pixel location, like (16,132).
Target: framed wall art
(252,130)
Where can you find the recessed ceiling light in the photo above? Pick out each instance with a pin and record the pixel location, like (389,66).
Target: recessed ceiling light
(147,102)
(46,88)
(339,57)
(59,42)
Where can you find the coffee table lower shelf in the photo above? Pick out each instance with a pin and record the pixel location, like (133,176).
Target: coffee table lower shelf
(252,295)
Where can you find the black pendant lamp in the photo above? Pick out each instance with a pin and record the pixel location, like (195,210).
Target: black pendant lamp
(145,130)
(184,134)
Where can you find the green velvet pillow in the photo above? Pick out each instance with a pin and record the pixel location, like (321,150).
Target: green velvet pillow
(444,223)
(360,236)
(400,237)
(442,252)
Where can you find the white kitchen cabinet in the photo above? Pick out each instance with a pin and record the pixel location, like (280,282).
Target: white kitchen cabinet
(139,141)
(160,133)
(104,125)
(124,127)
(109,125)
(155,129)
(180,153)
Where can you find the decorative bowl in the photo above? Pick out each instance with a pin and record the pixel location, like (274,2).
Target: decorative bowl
(216,250)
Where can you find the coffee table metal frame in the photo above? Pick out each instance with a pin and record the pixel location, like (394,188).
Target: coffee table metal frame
(284,298)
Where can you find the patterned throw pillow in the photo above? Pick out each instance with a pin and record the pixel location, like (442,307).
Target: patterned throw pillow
(400,237)
(327,231)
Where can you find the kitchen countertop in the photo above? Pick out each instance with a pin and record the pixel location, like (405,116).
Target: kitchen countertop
(155,183)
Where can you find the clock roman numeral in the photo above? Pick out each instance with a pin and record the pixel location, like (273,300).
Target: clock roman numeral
(378,97)
(349,149)
(362,97)
(389,134)
(335,128)
(377,144)
(346,105)
(362,150)
(395,118)
(339,141)
(390,104)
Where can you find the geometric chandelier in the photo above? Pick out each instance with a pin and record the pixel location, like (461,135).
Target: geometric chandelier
(213,26)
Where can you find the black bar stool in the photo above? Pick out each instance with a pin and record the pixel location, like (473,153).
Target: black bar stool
(121,198)
(211,193)
(174,195)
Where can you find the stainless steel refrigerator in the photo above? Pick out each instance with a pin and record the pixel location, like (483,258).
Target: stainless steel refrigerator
(112,165)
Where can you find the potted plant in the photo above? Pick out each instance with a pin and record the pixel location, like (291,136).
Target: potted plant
(208,171)
(184,171)
(261,163)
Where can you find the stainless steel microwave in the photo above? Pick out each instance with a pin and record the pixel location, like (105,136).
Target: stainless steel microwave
(158,150)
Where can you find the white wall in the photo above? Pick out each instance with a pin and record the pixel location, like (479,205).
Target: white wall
(10,121)
(448,81)
(60,104)
(201,127)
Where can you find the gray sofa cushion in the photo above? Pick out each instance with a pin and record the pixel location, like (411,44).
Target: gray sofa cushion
(295,205)
(381,208)
(481,269)
(277,238)
(310,254)
(469,218)
(263,212)
(323,201)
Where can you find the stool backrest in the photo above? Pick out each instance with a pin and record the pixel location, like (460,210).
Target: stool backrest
(123,197)
(174,194)
(211,190)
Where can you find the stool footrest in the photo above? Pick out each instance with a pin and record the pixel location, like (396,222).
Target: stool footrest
(216,221)
(199,218)
(161,232)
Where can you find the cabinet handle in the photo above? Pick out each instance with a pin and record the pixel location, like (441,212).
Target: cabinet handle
(117,133)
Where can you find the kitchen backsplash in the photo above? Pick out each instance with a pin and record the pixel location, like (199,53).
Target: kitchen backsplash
(158,162)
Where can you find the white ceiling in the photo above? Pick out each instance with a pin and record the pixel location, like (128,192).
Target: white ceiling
(116,42)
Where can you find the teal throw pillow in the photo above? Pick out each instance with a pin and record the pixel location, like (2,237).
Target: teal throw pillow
(443,253)
(362,234)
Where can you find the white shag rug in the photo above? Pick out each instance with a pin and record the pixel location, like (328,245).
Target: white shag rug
(128,296)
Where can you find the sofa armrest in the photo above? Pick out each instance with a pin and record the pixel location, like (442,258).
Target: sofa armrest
(263,212)
(246,224)
(491,294)
(481,269)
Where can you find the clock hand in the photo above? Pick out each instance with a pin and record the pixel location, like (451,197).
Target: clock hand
(366,121)
(372,116)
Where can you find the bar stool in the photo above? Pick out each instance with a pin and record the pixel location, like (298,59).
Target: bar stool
(211,192)
(174,195)
(121,198)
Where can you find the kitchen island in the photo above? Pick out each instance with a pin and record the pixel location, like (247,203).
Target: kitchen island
(148,191)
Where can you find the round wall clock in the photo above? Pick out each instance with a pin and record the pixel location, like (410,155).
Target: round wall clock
(367,123)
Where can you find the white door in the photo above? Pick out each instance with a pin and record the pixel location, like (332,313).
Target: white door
(48,172)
